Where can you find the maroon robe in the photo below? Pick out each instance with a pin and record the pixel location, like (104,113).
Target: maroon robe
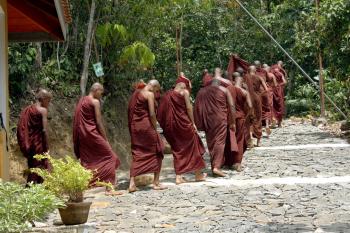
(240,104)
(186,81)
(211,109)
(32,140)
(178,130)
(257,105)
(231,142)
(146,144)
(278,97)
(266,96)
(93,150)
(236,62)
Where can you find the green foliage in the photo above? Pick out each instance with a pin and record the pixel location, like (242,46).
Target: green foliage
(67,177)
(19,205)
(136,40)
(138,55)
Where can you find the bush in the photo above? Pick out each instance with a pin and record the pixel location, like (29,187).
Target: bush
(67,177)
(20,205)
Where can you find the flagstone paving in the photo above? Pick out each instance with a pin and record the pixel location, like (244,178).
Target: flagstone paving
(303,187)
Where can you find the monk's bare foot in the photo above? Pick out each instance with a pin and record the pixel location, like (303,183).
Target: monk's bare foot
(132,189)
(258,143)
(218,173)
(250,144)
(279,124)
(113,193)
(201,177)
(237,167)
(268,131)
(159,187)
(180,180)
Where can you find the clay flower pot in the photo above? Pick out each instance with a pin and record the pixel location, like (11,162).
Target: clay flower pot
(75,213)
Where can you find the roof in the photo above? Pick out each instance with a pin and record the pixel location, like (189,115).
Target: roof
(38,20)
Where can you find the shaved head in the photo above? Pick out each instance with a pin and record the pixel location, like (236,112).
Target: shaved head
(265,65)
(236,74)
(95,87)
(257,63)
(154,83)
(43,94)
(252,68)
(280,63)
(240,70)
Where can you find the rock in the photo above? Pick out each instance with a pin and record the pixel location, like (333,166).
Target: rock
(345,125)
(319,121)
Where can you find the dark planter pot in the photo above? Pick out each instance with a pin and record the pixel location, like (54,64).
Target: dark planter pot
(75,213)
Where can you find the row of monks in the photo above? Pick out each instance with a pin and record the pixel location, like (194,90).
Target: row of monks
(231,108)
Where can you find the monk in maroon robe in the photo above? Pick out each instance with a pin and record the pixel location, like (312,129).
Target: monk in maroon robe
(146,144)
(206,78)
(241,99)
(278,96)
(175,116)
(271,83)
(231,143)
(256,86)
(182,79)
(91,145)
(212,105)
(32,134)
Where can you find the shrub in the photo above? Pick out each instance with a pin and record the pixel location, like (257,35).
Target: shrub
(66,178)
(20,205)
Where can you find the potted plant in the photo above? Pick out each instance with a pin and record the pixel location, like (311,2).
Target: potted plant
(68,179)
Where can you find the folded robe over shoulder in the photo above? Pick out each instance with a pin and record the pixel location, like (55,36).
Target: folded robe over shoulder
(210,115)
(32,140)
(178,130)
(94,152)
(146,145)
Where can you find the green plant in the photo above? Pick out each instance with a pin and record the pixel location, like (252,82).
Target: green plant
(19,205)
(66,178)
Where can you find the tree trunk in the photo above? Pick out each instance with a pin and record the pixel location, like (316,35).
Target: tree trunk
(87,50)
(39,56)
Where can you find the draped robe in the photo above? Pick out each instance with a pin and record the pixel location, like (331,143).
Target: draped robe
(93,150)
(146,144)
(32,140)
(178,130)
(278,97)
(240,102)
(211,109)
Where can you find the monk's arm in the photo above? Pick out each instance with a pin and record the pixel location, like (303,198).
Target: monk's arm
(249,101)
(152,112)
(44,114)
(284,80)
(274,80)
(189,106)
(263,83)
(99,123)
(231,107)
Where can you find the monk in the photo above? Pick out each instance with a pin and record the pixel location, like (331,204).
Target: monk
(206,78)
(278,95)
(91,145)
(146,145)
(32,133)
(175,116)
(271,83)
(182,79)
(212,107)
(242,98)
(256,85)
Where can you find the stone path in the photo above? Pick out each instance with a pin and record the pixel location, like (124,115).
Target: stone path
(299,181)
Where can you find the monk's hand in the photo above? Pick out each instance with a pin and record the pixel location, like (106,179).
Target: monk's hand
(233,126)
(195,128)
